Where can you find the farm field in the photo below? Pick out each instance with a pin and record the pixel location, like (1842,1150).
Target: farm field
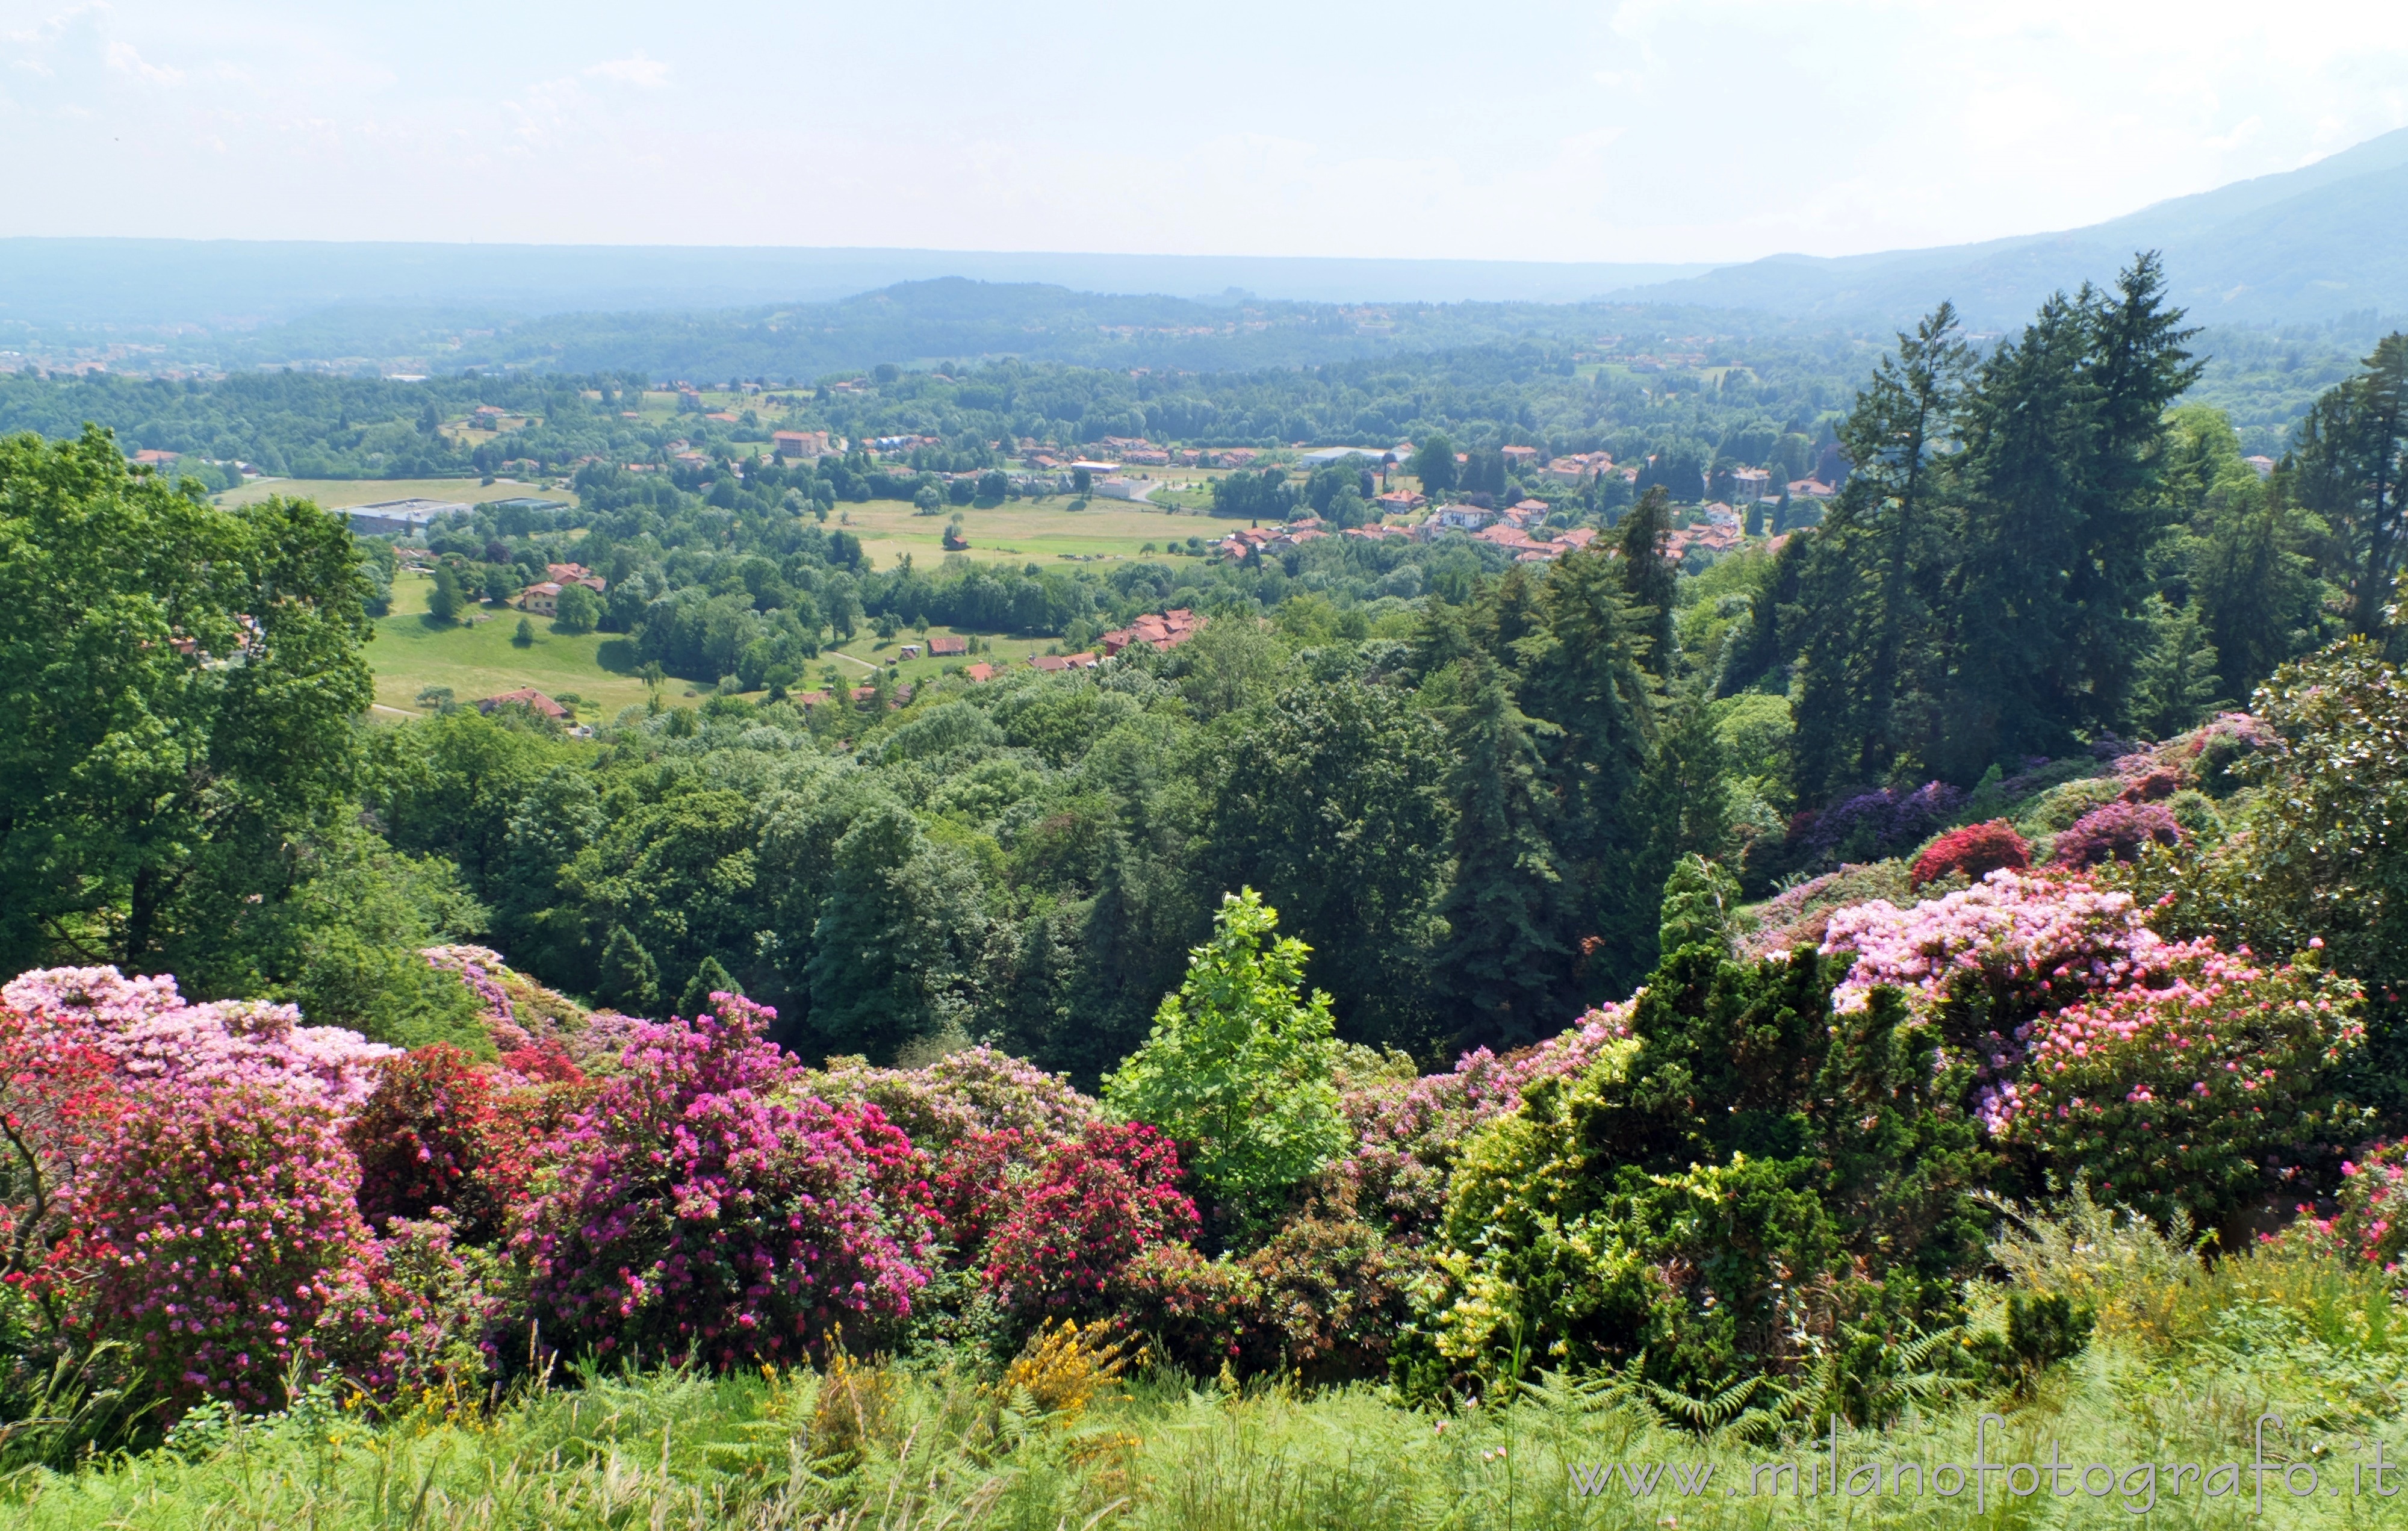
(338,493)
(478,660)
(1043,532)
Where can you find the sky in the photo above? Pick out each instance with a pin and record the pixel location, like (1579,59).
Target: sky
(1645,130)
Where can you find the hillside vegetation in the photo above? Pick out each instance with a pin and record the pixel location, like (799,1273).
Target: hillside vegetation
(1449,1028)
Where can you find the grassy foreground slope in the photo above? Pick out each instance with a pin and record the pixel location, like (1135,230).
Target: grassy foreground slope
(2187,1359)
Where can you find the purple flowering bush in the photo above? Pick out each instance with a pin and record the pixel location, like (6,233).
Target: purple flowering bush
(1873,824)
(699,1211)
(2116,832)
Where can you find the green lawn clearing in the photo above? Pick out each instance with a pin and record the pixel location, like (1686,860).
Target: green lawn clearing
(411,653)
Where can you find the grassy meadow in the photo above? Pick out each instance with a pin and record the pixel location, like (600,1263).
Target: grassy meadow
(2194,1366)
(478,659)
(1046,533)
(411,652)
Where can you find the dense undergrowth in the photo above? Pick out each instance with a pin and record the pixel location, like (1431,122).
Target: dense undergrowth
(2187,1358)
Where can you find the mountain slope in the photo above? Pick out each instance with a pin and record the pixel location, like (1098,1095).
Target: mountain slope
(2311,243)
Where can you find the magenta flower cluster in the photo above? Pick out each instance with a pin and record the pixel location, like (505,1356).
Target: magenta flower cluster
(216,1223)
(702,1210)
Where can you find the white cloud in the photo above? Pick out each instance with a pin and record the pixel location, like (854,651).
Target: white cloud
(125,61)
(635,69)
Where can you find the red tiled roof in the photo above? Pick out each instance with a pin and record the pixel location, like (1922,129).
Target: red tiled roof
(939,645)
(525,696)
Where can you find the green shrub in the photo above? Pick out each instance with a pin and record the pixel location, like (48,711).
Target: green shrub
(1238,1063)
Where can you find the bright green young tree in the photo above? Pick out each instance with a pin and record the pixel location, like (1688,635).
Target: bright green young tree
(1238,1068)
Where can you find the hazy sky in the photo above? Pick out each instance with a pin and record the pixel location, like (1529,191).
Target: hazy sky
(1645,130)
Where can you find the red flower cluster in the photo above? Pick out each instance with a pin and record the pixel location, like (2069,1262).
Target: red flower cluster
(1976,850)
(1050,1221)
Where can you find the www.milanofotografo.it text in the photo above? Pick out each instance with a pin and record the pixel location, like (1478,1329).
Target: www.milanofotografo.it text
(2138,1487)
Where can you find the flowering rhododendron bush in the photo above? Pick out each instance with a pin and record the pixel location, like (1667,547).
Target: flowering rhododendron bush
(1975,850)
(215,1224)
(976,1089)
(2116,833)
(1050,1224)
(699,1212)
(2370,1223)
(2185,1090)
(151,1033)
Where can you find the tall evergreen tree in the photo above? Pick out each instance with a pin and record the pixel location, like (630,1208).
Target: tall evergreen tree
(2350,466)
(1649,579)
(1507,960)
(1871,582)
(2065,444)
(1582,674)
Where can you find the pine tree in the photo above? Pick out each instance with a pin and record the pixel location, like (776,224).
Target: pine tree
(1581,674)
(1507,961)
(2175,682)
(1649,578)
(1873,579)
(2064,448)
(709,978)
(2349,462)
(629,979)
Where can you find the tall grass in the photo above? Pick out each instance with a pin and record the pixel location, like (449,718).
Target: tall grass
(2196,1354)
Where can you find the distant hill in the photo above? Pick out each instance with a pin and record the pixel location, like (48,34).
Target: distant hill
(47,283)
(2308,245)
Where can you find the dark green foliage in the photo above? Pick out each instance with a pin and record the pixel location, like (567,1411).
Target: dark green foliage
(2000,599)
(2350,466)
(2043,1331)
(1508,962)
(1648,577)
(1682,1204)
(1328,801)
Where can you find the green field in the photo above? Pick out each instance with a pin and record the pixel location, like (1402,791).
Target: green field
(478,659)
(410,654)
(338,493)
(1021,531)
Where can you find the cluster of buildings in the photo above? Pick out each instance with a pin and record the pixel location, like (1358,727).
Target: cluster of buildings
(1167,630)
(795,445)
(542,598)
(1580,468)
(1271,539)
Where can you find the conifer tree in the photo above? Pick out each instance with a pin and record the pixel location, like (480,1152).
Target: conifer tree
(708,979)
(630,979)
(1868,589)
(1581,674)
(1507,961)
(2349,464)
(1649,579)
